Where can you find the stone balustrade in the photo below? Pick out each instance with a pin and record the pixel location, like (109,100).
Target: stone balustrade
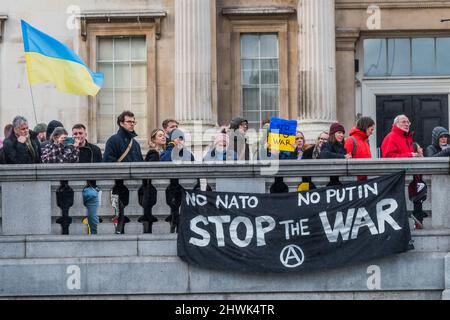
(29,191)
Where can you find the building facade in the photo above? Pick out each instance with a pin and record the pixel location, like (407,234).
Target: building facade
(206,61)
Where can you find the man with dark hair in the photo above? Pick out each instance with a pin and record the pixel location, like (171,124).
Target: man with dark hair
(89,153)
(168,126)
(22,146)
(122,147)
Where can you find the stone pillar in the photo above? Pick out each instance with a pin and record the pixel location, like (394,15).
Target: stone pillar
(439,201)
(317,62)
(345,68)
(193,68)
(26,208)
(193,60)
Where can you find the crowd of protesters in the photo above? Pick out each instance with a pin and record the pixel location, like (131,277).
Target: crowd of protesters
(51,144)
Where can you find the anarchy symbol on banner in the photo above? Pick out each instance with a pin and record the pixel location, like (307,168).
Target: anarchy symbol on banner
(292,256)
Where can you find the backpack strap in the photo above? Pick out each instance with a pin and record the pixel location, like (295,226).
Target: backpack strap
(354,146)
(127,150)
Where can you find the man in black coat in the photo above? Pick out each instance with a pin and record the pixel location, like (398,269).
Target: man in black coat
(89,153)
(22,146)
(122,147)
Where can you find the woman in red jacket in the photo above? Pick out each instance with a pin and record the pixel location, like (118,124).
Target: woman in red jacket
(357,145)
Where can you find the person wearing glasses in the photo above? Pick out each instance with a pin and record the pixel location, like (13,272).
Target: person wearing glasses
(122,147)
(399,142)
(313,152)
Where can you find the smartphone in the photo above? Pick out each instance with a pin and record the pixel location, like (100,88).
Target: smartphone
(69,140)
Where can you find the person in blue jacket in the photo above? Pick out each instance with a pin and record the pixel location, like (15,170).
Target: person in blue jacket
(176,150)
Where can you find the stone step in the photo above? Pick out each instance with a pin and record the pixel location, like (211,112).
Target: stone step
(408,272)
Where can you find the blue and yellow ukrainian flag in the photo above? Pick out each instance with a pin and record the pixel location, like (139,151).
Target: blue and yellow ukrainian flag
(50,61)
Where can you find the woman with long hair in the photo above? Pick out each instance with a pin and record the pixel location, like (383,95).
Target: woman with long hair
(334,148)
(157,145)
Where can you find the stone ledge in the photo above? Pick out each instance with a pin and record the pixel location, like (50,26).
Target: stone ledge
(144,245)
(169,275)
(239,169)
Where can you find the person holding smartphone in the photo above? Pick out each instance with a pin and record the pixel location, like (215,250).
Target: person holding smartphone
(61,149)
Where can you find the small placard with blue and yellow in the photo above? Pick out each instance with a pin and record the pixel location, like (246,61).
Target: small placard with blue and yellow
(282,134)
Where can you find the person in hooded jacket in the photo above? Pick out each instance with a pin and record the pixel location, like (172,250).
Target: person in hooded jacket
(440,146)
(357,145)
(52,125)
(334,148)
(176,150)
(399,142)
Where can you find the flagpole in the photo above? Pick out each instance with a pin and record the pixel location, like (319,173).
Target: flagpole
(32,101)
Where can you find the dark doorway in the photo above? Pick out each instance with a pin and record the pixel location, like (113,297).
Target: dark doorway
(424,111)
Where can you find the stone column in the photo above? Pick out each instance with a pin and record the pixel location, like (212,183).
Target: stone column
(193,66)
(317,62)
(345,68)
(193,61)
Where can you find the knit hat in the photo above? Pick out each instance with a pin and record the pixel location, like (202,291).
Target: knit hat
(335,127)
(175,134)
(236,122)
(40,127)
(52,126)
(222,137)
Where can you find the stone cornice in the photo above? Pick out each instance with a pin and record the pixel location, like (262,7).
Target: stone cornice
(401,4)
(121,16)
(3,18)
(258,11)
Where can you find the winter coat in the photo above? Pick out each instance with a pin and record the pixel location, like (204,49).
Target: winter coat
(18,153)
(362,144)
(435,150)
(239,145)
(118,143)
(183,153)
(397,144)
(333,151)
(60,153)
(214,155)
(90,153)
(153,155)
